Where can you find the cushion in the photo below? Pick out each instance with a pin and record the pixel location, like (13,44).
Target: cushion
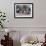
(26,39)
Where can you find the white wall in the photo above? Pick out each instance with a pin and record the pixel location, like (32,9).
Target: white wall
(39,10)
(38,23)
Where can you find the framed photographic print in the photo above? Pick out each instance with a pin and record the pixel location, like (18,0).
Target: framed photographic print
(23,10)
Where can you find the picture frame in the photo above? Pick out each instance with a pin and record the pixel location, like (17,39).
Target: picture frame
(23,10)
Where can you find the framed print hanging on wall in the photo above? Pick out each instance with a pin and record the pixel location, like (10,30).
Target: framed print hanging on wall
(23,10)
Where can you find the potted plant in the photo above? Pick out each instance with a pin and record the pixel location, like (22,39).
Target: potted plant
(2,19)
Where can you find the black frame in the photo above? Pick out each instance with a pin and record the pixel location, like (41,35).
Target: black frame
(23,3)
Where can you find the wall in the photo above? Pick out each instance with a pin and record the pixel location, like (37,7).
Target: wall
(39,12)
(25,25)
